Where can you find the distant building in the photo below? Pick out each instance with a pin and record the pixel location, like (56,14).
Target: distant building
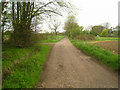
(98,36)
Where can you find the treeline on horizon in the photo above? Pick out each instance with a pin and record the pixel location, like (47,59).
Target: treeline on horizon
(74,31)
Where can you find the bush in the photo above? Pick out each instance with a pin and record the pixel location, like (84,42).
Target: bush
(75,32)
(85,37)
(104,33)
(96,30)
(23,38)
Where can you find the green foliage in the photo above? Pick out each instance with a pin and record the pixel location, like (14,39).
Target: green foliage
(7,32)
(86,32)
(96,30)
(23,38)
(104,33)
(99,53)
(81,28)
(72,28)
(75,32)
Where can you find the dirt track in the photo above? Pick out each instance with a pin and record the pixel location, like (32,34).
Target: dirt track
(68,67)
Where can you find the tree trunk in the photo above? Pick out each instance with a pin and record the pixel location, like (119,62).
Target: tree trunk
(2,34)
(35,23)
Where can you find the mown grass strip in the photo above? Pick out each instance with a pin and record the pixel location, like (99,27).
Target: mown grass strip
(105,56)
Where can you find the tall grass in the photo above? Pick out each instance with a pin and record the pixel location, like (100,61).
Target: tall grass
(25,73)
(99,53)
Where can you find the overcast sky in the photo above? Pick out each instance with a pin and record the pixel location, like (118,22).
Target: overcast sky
(95,12)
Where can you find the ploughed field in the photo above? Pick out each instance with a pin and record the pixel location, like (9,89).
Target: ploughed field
(109,45)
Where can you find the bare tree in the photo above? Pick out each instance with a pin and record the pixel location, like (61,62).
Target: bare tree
(54,25)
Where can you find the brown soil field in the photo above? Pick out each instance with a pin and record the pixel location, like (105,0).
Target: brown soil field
(109,45)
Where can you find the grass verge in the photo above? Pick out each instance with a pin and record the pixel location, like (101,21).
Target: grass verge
(99,53)
(22,66)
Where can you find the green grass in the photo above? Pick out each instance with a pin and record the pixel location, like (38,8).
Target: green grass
(22,66)
(105,38)
(26,73)
(54,40)
(9,55)
(99,53)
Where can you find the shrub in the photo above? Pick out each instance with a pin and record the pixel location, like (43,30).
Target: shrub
(104,33)
(96,30)
(75,32)
(23,38)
